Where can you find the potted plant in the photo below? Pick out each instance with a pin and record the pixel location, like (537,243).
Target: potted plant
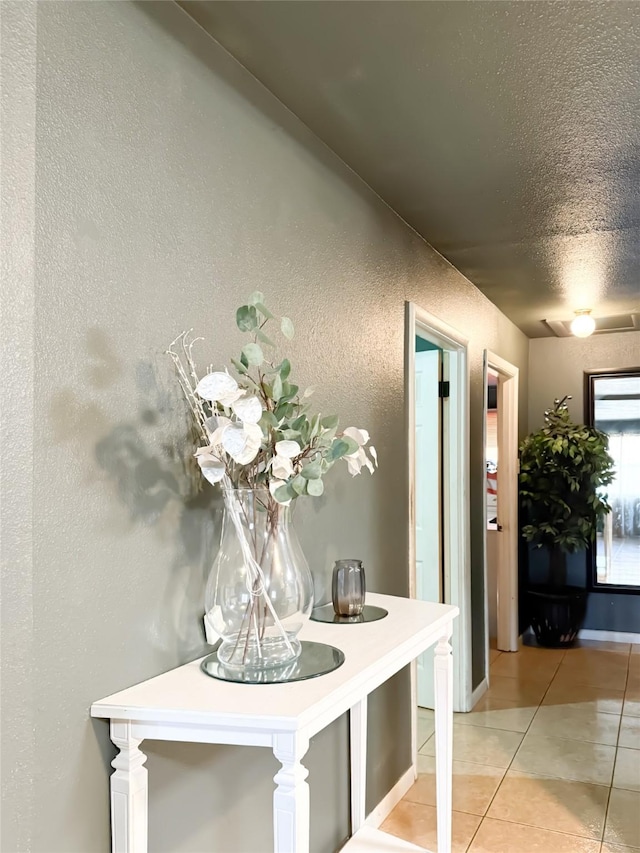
(563,467)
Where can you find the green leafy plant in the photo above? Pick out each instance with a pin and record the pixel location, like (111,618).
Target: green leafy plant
(563,467)
(257,430)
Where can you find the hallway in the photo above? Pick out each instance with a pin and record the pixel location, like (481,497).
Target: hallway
(547,762)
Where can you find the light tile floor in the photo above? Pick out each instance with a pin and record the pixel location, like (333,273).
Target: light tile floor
(547,762)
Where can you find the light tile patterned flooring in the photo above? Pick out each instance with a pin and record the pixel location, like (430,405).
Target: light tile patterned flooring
(547,762)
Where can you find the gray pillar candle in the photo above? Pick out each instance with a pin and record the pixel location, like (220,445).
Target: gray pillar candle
(348,588)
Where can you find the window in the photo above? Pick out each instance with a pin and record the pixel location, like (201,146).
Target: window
(612,402)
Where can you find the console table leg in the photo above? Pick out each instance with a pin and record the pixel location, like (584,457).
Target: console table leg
(443,678)
(291,797)
(129,793)
(358,751)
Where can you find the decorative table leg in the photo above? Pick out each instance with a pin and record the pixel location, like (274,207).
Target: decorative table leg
(291,797)
(358,750)
(129,793)
(443,671)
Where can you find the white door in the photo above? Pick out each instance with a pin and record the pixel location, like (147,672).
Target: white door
(428,500)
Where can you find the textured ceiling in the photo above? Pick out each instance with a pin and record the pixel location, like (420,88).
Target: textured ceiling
(506,133)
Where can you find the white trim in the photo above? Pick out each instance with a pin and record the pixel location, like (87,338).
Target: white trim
(507,580)
(369,840)
(458,571)
(388,803)
(485,411)
(442,333)
(608,636)
(479,692)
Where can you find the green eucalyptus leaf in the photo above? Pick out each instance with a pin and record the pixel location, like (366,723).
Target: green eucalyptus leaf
(286,327)
(243,360)
(330,422)
(299,485)
(264,338)
(282,494)
(277,387)
(246,318)
(256,298)
(315,424)
(288,391)
(241,368)
(285,369)
(284,411)
(262,307)
(312,471)
(253,353)
(353,445)
(326,439)
(339,448)
(291,434)
(315,488)
(268,420)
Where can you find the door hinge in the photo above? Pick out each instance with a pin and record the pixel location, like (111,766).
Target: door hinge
(443,389)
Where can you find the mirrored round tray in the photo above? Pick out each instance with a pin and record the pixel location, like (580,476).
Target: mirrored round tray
(326,613)
(315,659)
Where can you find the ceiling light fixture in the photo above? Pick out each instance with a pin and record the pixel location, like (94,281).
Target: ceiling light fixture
(583,324)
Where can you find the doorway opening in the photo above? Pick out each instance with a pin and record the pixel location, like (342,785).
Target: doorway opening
(501,503)
(491,499)
(438,436)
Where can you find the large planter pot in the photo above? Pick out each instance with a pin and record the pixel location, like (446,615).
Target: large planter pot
(556,614)
(260,592)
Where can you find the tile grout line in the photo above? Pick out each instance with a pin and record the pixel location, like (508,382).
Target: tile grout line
(613,773)
(599,840)
(504,776)
(546,829)
(610,786)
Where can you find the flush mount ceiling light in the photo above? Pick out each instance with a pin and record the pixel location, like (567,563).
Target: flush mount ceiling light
(583,324)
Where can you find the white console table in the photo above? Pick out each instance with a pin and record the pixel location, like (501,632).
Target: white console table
(187,705)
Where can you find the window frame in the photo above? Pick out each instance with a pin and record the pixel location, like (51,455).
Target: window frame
(590,376)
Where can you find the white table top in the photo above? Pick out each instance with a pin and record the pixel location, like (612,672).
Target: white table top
(374,651)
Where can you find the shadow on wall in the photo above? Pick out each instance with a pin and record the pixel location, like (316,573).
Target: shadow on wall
(148,461)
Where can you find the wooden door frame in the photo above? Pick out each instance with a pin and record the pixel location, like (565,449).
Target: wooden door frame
(457,566)
(508,466)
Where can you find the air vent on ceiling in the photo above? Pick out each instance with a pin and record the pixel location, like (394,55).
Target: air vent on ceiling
(616,323)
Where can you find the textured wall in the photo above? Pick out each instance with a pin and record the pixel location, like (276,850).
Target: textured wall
(17,188)
(169,185)
(557,367)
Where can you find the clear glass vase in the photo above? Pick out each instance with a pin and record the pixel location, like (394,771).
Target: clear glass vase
(260,592)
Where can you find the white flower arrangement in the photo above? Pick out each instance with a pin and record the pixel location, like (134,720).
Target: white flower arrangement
(257,430)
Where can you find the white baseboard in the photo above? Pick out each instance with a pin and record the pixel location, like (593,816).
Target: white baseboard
(369,840)
(478,693)
(388,803)
(608,636)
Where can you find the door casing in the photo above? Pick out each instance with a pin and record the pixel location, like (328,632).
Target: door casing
(455,503)
(507,551)
(429,367)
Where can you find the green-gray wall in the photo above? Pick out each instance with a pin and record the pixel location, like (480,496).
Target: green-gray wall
(161,185)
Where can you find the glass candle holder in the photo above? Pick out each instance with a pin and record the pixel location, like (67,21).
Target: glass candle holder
(348,588)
